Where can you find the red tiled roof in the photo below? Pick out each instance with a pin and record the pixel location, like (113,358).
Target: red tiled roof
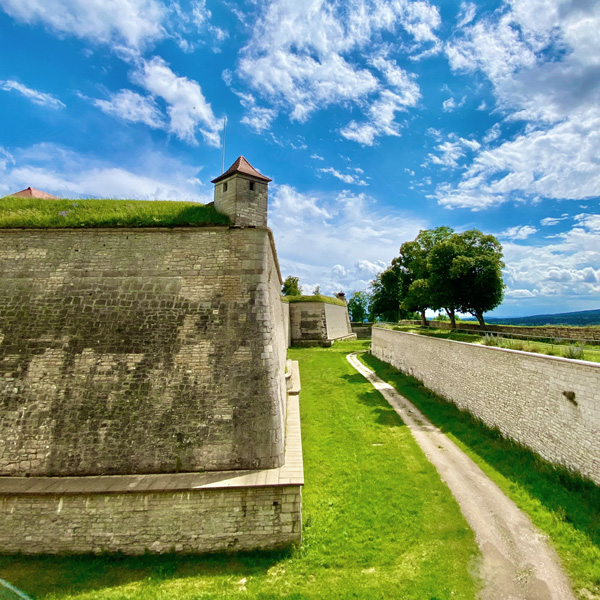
(33,193)
(241,165)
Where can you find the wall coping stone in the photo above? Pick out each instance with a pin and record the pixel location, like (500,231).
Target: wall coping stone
(290,474)
(584,363)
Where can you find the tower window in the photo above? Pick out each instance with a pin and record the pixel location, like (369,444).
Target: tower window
(225,187)
(252,186)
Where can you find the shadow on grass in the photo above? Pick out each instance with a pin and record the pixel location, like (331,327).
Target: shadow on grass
(570,497)
(44,575)
(383,413)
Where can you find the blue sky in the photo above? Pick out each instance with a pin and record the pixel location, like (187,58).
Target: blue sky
(374,118)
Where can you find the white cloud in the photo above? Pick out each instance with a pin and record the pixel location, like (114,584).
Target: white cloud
(302,56)
(451,104)
(518,232)
(188,109)
(541,58)
(345,177)
(130,106)
(548,221)
(316,157)
(568,268)
(337,242)
(452,150)
(132,23)
(466,13)
(64,173)
(37,97)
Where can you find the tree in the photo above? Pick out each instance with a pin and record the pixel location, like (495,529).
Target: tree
(477,270)
(418,298)
(291,286)
(359,306)
(385,295)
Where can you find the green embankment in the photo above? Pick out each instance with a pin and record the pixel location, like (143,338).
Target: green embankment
(30,213)
(378,522)
(561,504)
(314,298)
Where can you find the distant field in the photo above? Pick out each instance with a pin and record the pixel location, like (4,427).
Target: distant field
(583,318)
(33,213)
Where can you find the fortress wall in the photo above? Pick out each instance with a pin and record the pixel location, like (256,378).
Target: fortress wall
(338,321)
(521,393)
(308,321)
(140,351)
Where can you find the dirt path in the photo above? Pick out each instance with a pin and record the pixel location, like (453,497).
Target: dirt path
(517,561)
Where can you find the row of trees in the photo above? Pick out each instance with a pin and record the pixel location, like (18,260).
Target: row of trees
(441,269)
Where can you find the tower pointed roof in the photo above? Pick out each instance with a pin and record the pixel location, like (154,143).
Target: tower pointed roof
(241,165)
(33,193)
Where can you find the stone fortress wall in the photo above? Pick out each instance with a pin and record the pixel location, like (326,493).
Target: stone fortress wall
(118,348)
(144,371)
(318,323)
(547,403)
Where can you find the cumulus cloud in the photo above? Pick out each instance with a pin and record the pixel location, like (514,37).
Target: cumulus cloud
(541,59)
(35,96)
(345,177)
(131,106)
(548,221)
(518,232)
(449,153)
(339,243)
(131,23)
(303,57)
(62,172)
(568,268)
(188,109)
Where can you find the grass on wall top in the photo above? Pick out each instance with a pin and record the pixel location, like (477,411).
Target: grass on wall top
(30,213)
(316,298)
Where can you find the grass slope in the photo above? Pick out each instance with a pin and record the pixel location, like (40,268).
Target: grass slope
(315,298)
(564,506)
(31,213)
(378,522)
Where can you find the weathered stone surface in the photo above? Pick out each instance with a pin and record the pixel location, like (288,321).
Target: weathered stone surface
(140,351)
(318,323)
(550,404)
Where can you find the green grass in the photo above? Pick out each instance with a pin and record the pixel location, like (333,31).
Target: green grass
(378,522)
(564,348)
(563,505)
(315,298)
(31,213)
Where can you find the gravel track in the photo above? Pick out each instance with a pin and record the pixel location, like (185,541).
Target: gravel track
(517,561)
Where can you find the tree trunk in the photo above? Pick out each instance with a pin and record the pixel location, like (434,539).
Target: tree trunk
(452,315)
(423,319)
(479,316)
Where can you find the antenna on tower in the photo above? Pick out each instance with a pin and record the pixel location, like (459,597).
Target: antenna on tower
(223,157)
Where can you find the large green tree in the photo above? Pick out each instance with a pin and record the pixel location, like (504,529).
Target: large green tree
(359,306)
(291,286)
(476,271)
(385,295)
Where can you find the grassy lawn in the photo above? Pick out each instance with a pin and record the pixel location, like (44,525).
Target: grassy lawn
(378,522)
(564,506)
(566,348)
(36,213)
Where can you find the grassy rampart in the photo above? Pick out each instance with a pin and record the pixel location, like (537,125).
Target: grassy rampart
(34,213)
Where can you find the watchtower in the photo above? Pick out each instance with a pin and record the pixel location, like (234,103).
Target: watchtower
(242,193)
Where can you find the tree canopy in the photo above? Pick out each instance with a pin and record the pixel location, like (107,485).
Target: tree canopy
(359,307)
(441,269)
(291,286)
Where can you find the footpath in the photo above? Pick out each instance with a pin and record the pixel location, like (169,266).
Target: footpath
(518,563)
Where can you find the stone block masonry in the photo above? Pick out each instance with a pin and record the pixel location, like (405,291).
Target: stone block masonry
(128,351)
(133,514)
(318,323)
(549,404)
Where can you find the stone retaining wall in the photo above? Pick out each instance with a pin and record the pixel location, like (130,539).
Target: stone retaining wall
(550,404)
(140,351)
(318,323)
